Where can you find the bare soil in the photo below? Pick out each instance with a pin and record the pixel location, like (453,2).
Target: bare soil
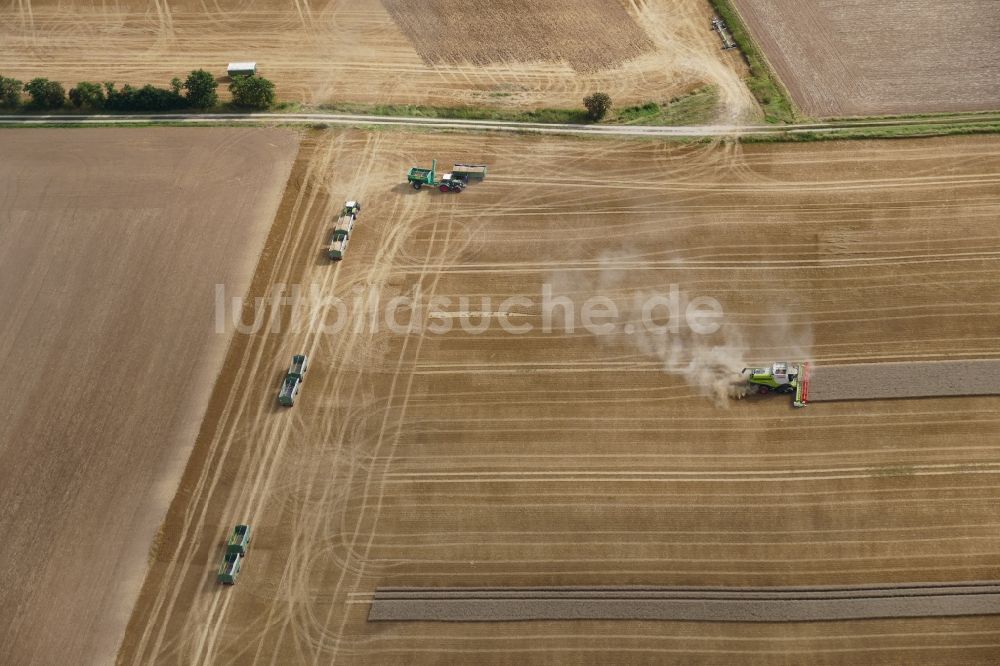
(111,244)
(861,58)
(353,50)
(589,35)
(706,604)
(494,459)
(905,380)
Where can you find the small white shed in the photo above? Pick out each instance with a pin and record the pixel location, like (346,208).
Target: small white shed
(242,68)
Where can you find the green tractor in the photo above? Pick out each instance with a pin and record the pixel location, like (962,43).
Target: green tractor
(418,177)
(780,377)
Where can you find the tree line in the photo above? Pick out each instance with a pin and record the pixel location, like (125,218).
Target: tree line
(198,91)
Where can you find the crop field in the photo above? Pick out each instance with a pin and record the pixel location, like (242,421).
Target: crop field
(111,242)
(454,445)
(862,58)
(586,34)
(354,51)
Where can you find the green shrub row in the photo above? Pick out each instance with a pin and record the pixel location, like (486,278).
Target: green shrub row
(198,91)
(762,82)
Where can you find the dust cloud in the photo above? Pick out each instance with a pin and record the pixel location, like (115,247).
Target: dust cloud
(709,361)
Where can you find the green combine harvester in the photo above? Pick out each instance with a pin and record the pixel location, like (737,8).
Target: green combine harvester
(781,377)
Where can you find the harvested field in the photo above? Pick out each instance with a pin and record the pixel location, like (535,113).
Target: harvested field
(111,244)
(479,457)
(905,380)
(353,50)
(589,35)
(705,604)
(860,58)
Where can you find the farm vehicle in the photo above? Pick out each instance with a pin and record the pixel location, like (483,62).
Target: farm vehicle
(236,550)
(342,230)
(780,377)
(292,383)
(454,181)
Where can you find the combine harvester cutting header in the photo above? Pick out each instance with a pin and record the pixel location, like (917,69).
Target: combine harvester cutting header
(780,377)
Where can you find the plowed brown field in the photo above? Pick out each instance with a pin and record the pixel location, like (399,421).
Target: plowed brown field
(536,459)
(111,244)
(859,58)
(353,50)
(588,34)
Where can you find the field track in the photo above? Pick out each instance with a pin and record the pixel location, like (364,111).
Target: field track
(351,120)
(799,604)
(475,457)
(353,51)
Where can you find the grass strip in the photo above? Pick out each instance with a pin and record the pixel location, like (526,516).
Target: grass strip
(763,83)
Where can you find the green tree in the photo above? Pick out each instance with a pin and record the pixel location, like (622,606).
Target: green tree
(45,94)
(597,105)
(175,85)
(87,94)
(200,89)
(10,92)
(254,92)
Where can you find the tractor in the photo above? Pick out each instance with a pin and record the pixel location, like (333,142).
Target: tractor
(418,177)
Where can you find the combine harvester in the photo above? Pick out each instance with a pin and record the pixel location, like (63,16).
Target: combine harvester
(454,181)
(780,377)
(342,231)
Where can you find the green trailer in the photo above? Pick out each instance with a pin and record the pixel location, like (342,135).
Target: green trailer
(469,171)
(230,569)
(293,380)
(338,244)
(342,231)
(239,540)
(418,177)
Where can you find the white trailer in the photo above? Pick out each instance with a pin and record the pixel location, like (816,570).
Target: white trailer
(241,69)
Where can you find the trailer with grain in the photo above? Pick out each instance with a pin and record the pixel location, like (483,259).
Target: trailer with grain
(292,383)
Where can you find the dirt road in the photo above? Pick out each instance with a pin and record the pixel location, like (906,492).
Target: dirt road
(490,458)
(353,51)
(111,244)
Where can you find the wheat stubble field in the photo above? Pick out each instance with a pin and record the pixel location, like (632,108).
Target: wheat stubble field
(354,50)
(478,457)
